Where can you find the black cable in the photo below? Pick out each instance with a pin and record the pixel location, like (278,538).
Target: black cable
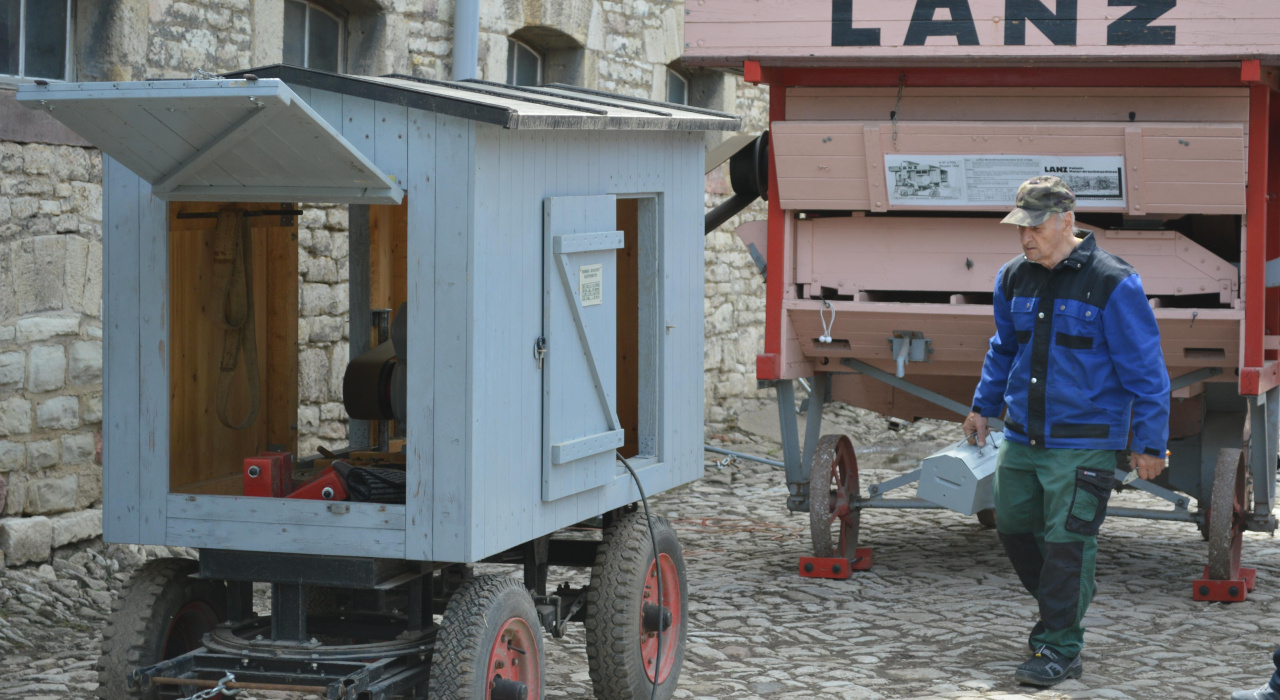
(657,568)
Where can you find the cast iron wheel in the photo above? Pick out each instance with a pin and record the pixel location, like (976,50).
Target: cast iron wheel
(623,617)
(833,487)
(1227,512)
(161,613)
(490,644)
(987,517)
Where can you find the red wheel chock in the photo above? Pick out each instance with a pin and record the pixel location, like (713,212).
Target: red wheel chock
(1231,590)
(836,567)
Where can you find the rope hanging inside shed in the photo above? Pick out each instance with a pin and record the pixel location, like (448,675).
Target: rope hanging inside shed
(233,308)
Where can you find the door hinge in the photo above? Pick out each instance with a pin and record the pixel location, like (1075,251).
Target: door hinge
(540,350)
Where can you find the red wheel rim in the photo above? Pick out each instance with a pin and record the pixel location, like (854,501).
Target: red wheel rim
(186,633)
(187,629)
(844,476)
(671,636)
(514,657)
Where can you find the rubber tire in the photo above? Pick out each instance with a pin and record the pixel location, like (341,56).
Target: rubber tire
(140,619)
(613,608)
(472,619)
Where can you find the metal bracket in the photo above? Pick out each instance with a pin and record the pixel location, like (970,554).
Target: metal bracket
(1179,501)
(909,346)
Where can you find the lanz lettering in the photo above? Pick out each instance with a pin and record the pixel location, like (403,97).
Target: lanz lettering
(1056,169)
(1132,28)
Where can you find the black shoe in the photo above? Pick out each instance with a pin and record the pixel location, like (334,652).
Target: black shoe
(1266,692)
(1049,668)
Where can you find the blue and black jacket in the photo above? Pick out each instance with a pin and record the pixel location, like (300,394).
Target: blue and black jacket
(1075,354)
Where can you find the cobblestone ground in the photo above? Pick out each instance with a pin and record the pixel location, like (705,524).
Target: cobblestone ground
(941,615)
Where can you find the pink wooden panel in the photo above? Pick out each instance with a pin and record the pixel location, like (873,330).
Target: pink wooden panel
(1222,105)
(724,32)
(933,254)
(1173,168)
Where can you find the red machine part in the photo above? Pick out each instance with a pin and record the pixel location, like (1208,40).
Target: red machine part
(283,483)
(514,668)
(836,567)
(1225,591)
(261,476)
(328,486)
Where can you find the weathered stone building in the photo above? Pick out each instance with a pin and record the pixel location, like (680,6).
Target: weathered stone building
(51,193)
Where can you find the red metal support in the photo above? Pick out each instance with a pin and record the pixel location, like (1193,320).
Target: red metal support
(768,364)
(1256,224)
(1082,77)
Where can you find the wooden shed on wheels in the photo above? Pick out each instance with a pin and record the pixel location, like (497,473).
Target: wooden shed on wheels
(525,308)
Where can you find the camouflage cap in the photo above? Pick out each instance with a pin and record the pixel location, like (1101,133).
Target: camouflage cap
(1039,198)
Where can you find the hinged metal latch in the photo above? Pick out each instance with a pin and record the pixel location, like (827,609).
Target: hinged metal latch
(540,350)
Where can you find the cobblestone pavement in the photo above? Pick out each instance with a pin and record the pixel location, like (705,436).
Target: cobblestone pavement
(941,615)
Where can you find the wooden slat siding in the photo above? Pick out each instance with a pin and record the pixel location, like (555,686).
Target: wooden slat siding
(360,317)
(390,149)
(121,381)
(420,189)
(453,473)
(359,125)
(287,511)
(153,365)
(492,347)
(301,539)
(328,105)
(1220,105)
(541,165)
(193,131)
(280,402)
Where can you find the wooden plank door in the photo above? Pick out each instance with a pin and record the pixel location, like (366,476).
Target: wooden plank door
(581,430)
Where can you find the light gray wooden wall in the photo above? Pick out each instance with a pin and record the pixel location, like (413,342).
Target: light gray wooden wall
(135,442)
(514,172)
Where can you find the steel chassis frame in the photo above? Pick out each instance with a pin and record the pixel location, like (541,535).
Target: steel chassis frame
(278,651)
(1259,374)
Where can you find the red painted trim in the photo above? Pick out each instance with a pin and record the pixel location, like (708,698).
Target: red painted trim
(770,369)
(752,72)
(1234,590)
(1251,71)
(1255,381)
(1255,290)
(1003,77)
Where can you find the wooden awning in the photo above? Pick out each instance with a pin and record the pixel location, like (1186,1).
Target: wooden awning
(217,140)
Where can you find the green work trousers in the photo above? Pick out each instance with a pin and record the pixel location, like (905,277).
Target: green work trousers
(1049,506)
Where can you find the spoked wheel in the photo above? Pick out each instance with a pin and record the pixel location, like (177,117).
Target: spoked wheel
(161,614)
(490,644)
(1227,511)
(625,621)
(833,488)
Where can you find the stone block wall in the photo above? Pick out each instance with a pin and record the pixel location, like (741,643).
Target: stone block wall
(50,328)
(51,207)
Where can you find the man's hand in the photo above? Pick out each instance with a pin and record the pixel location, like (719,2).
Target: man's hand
(1148,467)
(975,429)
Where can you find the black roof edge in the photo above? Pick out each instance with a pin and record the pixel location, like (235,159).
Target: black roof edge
(494,90)
(357,87)
(542,90)
(640,100)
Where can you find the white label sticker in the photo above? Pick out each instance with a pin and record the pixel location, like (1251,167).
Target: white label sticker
(992,181)
(590,283)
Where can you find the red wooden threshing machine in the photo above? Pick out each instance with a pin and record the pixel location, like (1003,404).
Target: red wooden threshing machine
(899,132)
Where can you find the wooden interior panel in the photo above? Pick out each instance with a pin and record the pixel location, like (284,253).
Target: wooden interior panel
(388,268)
(205,456)
(628,290)
(389,255)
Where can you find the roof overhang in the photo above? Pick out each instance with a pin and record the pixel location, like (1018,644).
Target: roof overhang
(217,140)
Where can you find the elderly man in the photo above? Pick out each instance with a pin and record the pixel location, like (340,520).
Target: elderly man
(1076,354)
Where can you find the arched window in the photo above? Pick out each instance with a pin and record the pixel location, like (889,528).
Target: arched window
(677,88)
(524,63)
(314,36)
(35,39)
